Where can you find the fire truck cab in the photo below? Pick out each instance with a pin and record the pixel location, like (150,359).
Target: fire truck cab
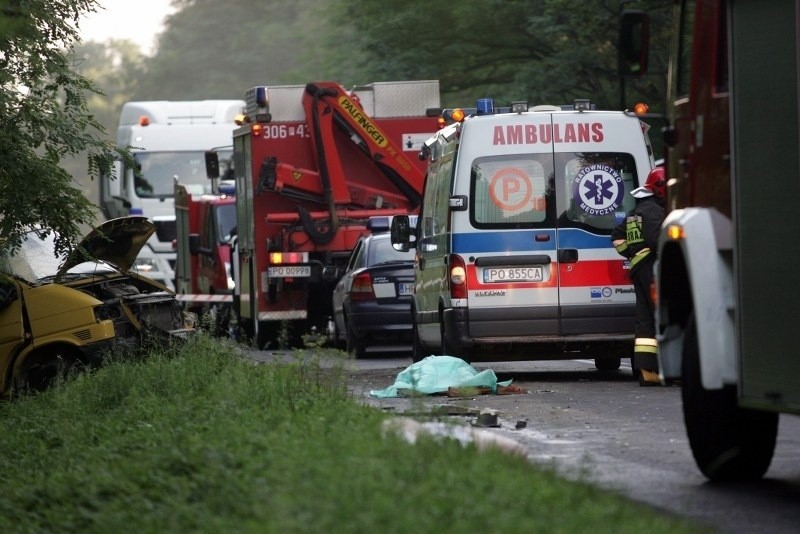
(727,311)
(205,227)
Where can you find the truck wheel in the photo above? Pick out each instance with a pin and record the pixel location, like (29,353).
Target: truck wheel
(267,335)
(729,443)
(355,347)
(444,347)
(448,350)
(222,320)
(418,350)
(337,337)
(247,331)
(608,363)
(42,370)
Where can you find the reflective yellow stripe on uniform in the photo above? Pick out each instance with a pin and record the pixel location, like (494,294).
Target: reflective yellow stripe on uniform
(639,256)
(645,352)
(633,229)
(647,345)
(622,247)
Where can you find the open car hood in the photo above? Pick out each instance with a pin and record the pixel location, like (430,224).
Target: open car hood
(117,242)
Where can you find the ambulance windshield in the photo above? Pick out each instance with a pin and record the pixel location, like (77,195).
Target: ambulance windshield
(510,190)
(595,188)
(581,190)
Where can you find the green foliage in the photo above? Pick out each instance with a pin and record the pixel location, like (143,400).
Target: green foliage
(203,440)
(115,67)
(543,51)
(44,118)
(214,49)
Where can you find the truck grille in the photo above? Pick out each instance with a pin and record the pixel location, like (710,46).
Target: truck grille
(83,335)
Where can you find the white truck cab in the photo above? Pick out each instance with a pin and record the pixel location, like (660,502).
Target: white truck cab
(513,252)
(168,140)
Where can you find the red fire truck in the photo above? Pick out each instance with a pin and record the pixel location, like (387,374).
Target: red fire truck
(727,307)
(312,164)
(205,224)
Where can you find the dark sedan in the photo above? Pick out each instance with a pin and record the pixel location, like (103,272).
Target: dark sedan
(372,301)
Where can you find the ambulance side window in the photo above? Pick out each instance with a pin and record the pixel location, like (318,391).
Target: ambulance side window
(428,222)
(596,188)
(442,209)
(435,209)
(511,190)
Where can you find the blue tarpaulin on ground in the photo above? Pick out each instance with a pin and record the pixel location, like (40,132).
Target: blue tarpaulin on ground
(436,374)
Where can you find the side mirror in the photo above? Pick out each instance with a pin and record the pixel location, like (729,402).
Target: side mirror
(194,244)
(332,274)
(634,41)
(125,202)
(401,233)
(669,135)
(212,165)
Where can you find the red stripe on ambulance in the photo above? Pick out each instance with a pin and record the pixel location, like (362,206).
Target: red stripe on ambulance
(581,274)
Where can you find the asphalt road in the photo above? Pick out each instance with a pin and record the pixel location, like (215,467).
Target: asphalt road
(604,428)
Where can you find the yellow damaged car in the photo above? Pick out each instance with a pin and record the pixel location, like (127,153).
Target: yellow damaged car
(57,314)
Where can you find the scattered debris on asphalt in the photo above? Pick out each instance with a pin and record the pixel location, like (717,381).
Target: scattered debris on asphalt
(484,440)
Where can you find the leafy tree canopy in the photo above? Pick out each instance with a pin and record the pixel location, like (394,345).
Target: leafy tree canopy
(43,119)
(213,49)
(543,51)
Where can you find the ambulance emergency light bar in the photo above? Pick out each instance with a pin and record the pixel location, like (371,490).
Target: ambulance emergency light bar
(486,106)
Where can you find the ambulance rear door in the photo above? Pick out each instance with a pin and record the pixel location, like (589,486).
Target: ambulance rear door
(508,236)
(598,159)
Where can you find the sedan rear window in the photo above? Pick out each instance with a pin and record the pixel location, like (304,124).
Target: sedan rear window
(381,251)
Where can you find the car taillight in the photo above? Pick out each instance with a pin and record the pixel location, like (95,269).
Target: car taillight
(362,288)
(458,277)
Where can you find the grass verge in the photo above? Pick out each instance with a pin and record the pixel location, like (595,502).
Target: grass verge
(202,440)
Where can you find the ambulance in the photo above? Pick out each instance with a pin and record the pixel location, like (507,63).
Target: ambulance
(513,252)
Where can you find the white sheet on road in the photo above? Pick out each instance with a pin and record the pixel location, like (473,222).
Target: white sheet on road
(436,374)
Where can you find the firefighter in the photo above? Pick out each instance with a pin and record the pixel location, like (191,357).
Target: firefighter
(636,238)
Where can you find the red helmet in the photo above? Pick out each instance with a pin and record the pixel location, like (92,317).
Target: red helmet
(655,185)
